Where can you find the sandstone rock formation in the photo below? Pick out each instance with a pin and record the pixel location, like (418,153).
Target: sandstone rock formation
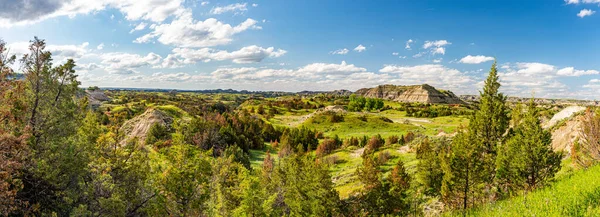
(415,93)
(140,125)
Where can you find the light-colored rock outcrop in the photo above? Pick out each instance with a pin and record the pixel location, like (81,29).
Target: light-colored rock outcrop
(140,125)
(564,136)
(415,93)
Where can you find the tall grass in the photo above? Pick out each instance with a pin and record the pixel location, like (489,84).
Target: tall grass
(574,195)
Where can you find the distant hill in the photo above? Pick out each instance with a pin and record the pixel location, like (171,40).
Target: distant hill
(414,93)
(334,92)
(475,98)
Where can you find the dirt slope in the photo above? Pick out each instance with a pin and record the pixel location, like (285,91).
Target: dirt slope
(140,125)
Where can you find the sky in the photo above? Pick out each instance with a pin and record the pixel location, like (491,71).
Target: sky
(543,48)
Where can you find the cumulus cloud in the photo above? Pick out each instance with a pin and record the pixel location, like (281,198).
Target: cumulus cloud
(59,52)
(315,75)
(249,54)
(169,77)
(139,27)
(582,1)
(571,71)
(100,46)
(32,11)
(395,54)
(236,8)
(475,59)
(204,3)
(187,32)
(433,74)
(523,79)
(360,48)
(436,47)
(127,63)
(585,12)
(343,51)
(410,41)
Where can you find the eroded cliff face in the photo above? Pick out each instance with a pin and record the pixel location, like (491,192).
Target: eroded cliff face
(415,93)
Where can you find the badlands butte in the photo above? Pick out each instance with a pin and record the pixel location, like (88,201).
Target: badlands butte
(425,93)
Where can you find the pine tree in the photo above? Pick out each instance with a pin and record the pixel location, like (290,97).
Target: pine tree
(463,177)
(429,170)
(529,160)
(400,184)
(470,164)
(490,123)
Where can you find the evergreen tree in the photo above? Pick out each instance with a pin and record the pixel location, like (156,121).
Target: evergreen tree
(527,158)
(182,182)
(489,124)
(470,164)
(400,184)
(463,178)
(429,170)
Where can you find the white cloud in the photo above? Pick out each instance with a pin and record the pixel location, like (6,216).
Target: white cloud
(320,68)
(237,8)
(475,59)
(33,11)
(585,12)
(139,27)
(408,44)
(250,54)
(571,71)
(170,77)
(100,46)
(343,51)
(126,63)
(402,57)
(582,1)
(437,60)
(395,54)
(536,69)
(436,47)
(59,52)
(254,5)
(433,74)
(204,3)
(187,32)
(360,48)
(170,62)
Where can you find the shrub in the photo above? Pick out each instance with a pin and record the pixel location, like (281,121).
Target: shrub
(391,140)
(410,136)
(375,142)
(385,119)
(383,157)
(362,117)
(334,117)
(326,147)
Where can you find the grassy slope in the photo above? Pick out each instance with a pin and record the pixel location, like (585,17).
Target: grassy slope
(353,126)
(573,195)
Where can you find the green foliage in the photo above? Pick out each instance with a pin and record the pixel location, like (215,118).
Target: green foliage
(576,195)
(303,137)
(429,169)
(470,164)
(358,103)
(182,182)
(157,132)
(380,196)
(527,160)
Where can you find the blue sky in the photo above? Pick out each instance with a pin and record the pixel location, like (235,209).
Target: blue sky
(544,47)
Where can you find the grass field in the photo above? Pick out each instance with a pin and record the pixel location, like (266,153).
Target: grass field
(576,194)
